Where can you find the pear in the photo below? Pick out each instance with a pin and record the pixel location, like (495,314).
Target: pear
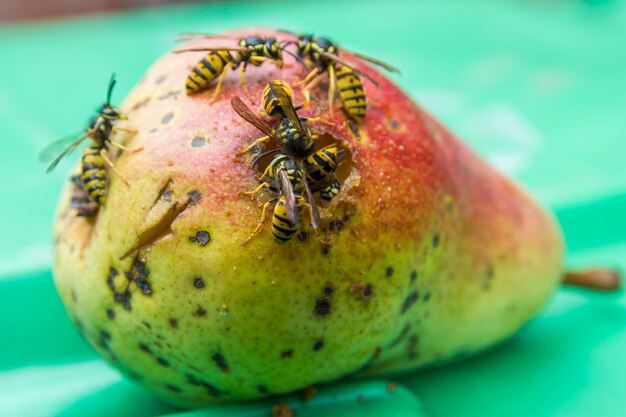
(433,253)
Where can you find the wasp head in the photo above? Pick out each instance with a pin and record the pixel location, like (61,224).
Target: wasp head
(274,51)
(111,113)
(323,44)
(304,45)
(107,111)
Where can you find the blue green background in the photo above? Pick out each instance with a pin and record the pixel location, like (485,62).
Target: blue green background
(537,88)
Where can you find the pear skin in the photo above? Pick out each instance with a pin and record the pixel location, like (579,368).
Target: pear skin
(434,254)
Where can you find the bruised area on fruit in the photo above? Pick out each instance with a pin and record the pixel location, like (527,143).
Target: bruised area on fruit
(430,249)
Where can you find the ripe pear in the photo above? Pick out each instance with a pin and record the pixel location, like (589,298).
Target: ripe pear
(433,253)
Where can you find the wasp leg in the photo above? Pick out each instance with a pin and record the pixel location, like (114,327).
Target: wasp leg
(252,145)
(110,164)
(316,119)
(306,91)
(331,88)
(124,129)
(309,76)
(257,189)
(242,78)
(220,82)
(256,230)
(125,148)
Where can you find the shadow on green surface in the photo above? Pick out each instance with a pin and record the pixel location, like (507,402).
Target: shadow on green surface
(590,225)
(124,399)
(119,399)
(36,323)
(552,358)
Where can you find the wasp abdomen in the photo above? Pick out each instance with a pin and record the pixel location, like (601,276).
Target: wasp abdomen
(207,70)
(351,93)
(94,175)
(282,228)
(322,163)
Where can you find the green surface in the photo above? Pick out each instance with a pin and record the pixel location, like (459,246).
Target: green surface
(538,89)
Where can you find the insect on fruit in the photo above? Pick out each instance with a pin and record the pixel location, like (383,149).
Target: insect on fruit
(284,176)
(95,160)
(252,50)
(294,139)
(320,167)
(292,144)
(323,56)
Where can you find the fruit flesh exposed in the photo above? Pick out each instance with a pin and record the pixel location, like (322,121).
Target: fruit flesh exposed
(434,255)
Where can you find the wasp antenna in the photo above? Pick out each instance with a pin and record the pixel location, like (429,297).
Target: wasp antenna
(256,160)
(112,82)
(296,57)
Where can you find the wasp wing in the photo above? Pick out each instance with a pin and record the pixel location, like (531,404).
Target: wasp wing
(186,36)
(285,103)
(349,65)
(315,214)
(61,148)
(375,61)
(247,114)
(290,197)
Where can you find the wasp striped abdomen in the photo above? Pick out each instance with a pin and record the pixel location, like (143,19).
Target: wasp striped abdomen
(284,229)
(275,97)
(94,174)
(206,70)
(322,163)
(351,94)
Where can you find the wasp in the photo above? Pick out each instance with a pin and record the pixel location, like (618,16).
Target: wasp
(293,145)
(81,202)
(283,228)
(280,164)
(95,160)
(278,102)
(320,167)
(294,139)
(323,56)
(329,188)
(253,50)
(284,176)
(322,163)
(290,135)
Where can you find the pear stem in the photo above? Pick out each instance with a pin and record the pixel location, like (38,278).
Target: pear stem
(599,279)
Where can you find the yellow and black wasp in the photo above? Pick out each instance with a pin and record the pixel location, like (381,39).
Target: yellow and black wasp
(278,99)
(95,160)
(329,188)
(293,146)
(296,140)
(285,177)
(319,166)
(290,135)
(253,50)
(320,169)
(323,56)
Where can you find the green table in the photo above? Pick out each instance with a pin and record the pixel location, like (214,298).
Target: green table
(538,89)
